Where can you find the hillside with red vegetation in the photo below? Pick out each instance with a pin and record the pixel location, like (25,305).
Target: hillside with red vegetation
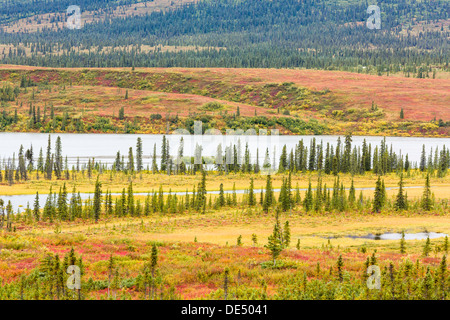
(337,101)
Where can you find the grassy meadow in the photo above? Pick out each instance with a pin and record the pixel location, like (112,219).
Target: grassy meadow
(195,249)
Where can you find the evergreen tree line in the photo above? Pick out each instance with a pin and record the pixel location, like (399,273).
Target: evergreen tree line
(61,206)
(405,280)
(250,34)
(344,158)
(49,281)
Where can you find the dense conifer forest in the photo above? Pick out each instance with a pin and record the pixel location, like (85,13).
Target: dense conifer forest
(318,34)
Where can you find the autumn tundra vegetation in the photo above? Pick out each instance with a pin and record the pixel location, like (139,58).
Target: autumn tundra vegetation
(158,101)
(234,225)
(312,220)
(170,243)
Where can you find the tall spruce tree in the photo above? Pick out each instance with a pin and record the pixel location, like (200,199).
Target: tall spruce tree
(378,200)
(48,161)
(58,158)
(403,243)
(268,198)
(251,194)
(275,245)
(423,159)
(139,153)
(97,200)
(427,202)
(154,164)
(427,247)
(36,208)
(308,201)
(400,201)
(221,199)
(339,265)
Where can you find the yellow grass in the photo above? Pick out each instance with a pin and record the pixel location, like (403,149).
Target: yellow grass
(224,227)
(146,182)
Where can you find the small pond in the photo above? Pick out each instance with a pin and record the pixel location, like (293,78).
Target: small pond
(398,236)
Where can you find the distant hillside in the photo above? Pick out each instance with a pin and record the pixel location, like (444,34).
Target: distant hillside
(158,100)
(314,34)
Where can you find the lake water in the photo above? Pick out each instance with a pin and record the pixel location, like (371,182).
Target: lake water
(398,236)
(103,147)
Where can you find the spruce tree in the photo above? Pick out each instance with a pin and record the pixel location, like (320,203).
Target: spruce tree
(221,199)
(48,161)
(251,194)
(286,234)
(164,155)
(312,155)
(97,200)
(36,208)
(400,201)
(283,160)
(234,195)
(427,247)
(308,200)
(403,244)
(130,166)
(154,258)
(111,270)
(62,203)
(154,164)
(139,163)
(352,194)
(254,239)
(427,285)
(443,277)
(373,259)
(225,283)
(427,202)
(268,198)
(423,160)
(239,241)
(347,151)
(201,192)
(58,158)
(283,197)
(339,265)
(181,166)
(297,197)
(275,244)
(378,201)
